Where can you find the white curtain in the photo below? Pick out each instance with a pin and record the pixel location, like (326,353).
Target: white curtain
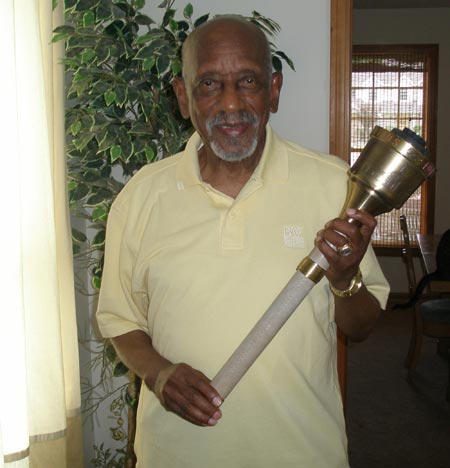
(39,371)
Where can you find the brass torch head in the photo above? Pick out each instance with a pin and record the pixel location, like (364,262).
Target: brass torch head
(388,171)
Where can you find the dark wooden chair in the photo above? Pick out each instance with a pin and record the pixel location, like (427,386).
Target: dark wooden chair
(431,315)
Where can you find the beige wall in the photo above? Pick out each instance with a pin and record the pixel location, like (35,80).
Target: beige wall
(416,26)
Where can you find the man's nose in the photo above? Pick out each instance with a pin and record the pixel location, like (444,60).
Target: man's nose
(230,99)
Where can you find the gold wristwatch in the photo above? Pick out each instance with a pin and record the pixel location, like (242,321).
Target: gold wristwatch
(354,287)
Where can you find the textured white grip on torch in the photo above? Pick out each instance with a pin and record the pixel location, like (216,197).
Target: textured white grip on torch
(262,333)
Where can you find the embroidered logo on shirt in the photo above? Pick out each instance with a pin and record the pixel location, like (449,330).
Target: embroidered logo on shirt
(180,185)
(293,238)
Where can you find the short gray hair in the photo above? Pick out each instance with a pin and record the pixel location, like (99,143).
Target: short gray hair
(188,43)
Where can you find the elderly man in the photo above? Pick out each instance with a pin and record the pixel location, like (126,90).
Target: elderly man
(200,244)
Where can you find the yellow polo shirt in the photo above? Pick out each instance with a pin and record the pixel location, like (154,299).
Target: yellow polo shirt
(195,269)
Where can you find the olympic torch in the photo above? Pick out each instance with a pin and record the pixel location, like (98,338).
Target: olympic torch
(388,171)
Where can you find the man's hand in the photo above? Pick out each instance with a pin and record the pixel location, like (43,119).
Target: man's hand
(339,232)
(188,393)
(180,388)
(355,315)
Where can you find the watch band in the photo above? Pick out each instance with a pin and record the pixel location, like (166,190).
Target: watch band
(353,288)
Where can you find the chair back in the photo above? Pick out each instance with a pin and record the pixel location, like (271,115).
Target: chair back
(407,256)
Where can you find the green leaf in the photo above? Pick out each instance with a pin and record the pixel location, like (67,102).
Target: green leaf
(173,25)
(81,142)
(62,32)
(99,239)
(149,154)
(59,37)
(88,18)
(165,4)
(170,12)
(138,4)
(183,25)
(100,87)
(110,97)
(120,369)
(79,192)
(103,54)
(144,20)
(64,29)
(286,59)
(176,67)
(162,63)
(121,96)
(99,213)
(90,177)
(188,10)
(118,12)
(72,185)
(143,39)
(100,197)
(139,128)
(276,63)
(110,352)
(75,127)
(104,11)
(128,149)
(149,50)
(148,63)
(201,20)
(78,236)
(109,140)
(87,55)
(68,4)
(96,282)
(115,152)
(83,5)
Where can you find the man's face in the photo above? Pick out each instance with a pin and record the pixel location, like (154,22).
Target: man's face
(228,93)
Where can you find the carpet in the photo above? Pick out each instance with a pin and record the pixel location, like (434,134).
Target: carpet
(391,422)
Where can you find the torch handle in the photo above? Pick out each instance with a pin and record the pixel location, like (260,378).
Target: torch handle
(262,333)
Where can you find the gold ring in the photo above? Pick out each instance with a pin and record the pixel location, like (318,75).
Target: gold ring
(345,250)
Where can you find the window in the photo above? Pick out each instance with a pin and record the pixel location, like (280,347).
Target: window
(395,86)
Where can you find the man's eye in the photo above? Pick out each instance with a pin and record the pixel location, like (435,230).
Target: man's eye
(249,82)
(208,84)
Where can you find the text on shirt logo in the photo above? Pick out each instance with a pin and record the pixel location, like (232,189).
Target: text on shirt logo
(293,238)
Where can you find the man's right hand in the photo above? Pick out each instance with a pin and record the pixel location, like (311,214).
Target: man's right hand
(180,388)
(189,394)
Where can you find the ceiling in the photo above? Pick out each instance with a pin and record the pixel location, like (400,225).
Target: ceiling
(362,4)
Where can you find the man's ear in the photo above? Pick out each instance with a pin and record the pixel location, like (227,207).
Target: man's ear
(180,91)
(275,89)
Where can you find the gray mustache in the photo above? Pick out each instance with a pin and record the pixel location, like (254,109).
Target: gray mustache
(223,118)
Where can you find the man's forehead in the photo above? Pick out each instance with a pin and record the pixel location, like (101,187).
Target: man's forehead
(220,30)
(224,42)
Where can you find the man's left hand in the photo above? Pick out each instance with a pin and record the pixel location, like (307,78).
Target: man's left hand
(339,232)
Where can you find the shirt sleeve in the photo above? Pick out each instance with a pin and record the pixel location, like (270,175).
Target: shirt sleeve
(119,311)
(374,278)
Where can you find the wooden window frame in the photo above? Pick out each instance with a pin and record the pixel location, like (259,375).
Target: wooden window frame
(339,125)
(431,51)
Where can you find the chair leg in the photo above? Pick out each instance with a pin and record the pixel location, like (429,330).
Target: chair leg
(415,344)
(412,345)
(448,386)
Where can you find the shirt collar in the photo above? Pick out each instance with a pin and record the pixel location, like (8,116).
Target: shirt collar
(272,166)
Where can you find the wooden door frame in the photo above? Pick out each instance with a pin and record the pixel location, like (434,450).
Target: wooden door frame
(339,138)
